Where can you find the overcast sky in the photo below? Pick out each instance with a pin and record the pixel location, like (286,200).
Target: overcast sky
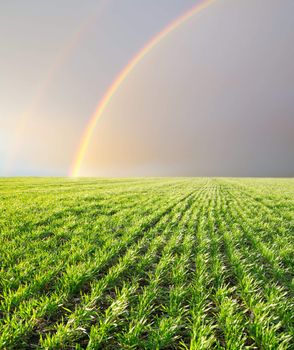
(214,98)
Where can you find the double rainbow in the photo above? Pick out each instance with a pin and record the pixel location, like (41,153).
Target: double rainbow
(90,127)
(49,76)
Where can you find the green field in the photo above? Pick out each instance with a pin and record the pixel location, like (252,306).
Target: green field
(175,263)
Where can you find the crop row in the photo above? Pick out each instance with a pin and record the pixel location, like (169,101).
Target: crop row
(147,264)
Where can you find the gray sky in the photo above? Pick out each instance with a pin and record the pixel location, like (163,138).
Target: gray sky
(215,97)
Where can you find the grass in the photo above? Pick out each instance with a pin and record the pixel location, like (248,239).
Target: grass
(174,263)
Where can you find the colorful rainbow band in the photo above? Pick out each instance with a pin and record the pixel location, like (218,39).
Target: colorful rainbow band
(90,127)
(58,62)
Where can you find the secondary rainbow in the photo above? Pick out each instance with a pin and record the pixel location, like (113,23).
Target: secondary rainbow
(49,76)
(90,127)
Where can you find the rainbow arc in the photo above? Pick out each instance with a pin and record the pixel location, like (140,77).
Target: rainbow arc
(91,125)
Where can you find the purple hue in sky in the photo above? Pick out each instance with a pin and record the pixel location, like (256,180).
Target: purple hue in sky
(215,98)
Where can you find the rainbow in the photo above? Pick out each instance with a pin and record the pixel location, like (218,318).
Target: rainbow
(90,127)
(60,59)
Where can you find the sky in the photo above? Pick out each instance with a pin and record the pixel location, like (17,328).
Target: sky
(214,97)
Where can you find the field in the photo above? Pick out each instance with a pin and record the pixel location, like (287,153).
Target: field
(175,263)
